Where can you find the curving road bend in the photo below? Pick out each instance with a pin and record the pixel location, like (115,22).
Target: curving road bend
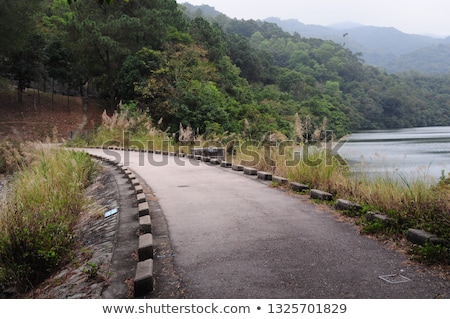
(236,237)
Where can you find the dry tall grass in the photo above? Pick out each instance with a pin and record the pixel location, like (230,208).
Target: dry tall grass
(43,201)
(126,130)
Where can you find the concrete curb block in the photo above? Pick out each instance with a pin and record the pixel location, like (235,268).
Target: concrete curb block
(145,225)
(321,195)
(143,209)
(134,182)
(143,280)
(145,249)
(342,204)
(264,176)
(226,164)
(238,168)
(297,187)
(280,180)
(140,198)
(215,161)
(250,171)
(421,237)
(372,216)
(138,189)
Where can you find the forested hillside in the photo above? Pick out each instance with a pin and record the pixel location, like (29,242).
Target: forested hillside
(214,74)
(385,47)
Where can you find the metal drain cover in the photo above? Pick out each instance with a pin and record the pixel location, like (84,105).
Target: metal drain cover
(395,279)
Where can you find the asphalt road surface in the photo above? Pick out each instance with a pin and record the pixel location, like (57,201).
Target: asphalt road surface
(235,236)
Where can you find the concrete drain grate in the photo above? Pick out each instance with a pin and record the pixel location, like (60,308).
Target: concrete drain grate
(395,279)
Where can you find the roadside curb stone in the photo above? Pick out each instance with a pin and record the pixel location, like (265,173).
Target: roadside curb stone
(422,237)
(298,187)
(280,180)
(145,250)
(321,195)
(265,176)
(143,279)
(371,216)
(250,171)
(343,204)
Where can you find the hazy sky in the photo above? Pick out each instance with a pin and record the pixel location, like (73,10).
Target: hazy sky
(410,16)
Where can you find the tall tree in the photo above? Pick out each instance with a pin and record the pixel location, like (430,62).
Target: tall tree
(211,37)
(27,64)
(17,22)
(17,28)
(108,33)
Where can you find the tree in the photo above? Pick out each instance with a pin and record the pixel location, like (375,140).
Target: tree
(27,64)
(108,33)
(57,62)
(244,57)
(17,27)
(17,22)
(211,37)
(99,1)
(173,74)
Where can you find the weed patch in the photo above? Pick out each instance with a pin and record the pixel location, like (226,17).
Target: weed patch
(431,254)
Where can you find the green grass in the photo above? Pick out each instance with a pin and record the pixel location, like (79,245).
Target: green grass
(44,200)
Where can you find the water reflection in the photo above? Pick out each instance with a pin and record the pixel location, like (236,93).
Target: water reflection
(406,153)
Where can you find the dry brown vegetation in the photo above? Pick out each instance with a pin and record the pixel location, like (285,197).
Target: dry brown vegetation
(38,118)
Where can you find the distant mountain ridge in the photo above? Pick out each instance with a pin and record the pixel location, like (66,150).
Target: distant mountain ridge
(385,47)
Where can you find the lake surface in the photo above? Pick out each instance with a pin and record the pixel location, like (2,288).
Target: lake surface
(404,153)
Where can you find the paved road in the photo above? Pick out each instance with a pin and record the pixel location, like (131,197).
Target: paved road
(236,237)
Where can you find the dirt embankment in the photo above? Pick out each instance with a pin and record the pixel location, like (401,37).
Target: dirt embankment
(40,116)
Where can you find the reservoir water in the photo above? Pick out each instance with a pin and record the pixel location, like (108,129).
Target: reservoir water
(404,153)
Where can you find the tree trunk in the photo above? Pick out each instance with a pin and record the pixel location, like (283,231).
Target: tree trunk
(68,101)
(53,93)
(34,100)
(19,95)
